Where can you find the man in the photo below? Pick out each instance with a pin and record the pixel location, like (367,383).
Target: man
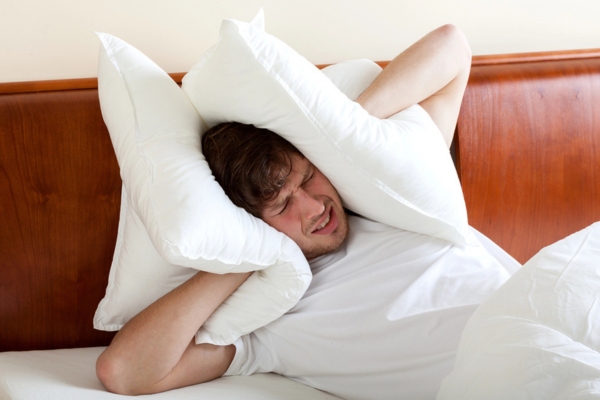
(321,341)
(268,177)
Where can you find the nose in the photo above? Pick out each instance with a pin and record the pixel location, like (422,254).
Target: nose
(312,206)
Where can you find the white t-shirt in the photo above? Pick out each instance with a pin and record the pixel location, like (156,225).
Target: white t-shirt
(382,317)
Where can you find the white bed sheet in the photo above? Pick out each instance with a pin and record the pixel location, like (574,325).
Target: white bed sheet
(69,374)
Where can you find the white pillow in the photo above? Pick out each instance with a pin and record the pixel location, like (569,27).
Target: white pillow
(397,171)
(538,336)
(174,213)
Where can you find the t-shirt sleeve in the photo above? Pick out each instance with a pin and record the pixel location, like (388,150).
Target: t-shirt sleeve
(251,357)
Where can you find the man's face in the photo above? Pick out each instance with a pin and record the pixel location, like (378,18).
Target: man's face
(309,210)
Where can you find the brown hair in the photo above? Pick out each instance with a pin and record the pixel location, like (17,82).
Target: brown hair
(250,164)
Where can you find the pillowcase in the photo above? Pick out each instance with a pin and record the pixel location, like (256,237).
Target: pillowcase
(174,214)
(539,334)
(397,171)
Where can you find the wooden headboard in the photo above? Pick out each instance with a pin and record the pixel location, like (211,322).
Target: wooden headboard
(528,154)
(60,190)
(529,147)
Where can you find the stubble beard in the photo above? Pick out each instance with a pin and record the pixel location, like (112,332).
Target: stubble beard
(340,234)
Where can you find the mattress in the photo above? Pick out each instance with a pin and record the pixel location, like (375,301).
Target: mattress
(70,374)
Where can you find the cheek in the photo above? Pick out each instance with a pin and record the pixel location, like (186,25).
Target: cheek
(326,188)
(324,182)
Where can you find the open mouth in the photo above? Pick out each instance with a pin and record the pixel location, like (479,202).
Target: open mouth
(328,223)
(324,223)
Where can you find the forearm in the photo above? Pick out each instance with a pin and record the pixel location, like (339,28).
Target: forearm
(432,72)
(150,345)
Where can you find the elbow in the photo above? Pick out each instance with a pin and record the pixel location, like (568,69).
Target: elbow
(457,41)
(111,372)
(107,371)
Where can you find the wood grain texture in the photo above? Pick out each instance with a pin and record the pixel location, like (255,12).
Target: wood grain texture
(60,188)
(496,59)
(529,151)
(60,84)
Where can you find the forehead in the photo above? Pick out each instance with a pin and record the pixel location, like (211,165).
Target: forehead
(283,174)
(299,162)
(300,168)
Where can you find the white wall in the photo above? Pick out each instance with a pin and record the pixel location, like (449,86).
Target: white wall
(43,39)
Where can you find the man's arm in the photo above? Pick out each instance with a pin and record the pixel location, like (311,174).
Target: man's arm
(432,72)
(155,351)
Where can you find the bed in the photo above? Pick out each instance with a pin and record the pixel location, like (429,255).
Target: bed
(527,151)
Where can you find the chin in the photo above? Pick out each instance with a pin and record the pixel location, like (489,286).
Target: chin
(339,237)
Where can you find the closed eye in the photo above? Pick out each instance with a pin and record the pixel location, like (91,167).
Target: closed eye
(312,175)
(287,201)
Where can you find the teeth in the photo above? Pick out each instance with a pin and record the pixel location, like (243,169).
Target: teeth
(323,224)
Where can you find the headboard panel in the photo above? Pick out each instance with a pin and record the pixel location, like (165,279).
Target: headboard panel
(528,152)
(529,149)
(60,189)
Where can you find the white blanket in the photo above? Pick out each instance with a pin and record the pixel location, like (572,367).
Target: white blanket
(538,336)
